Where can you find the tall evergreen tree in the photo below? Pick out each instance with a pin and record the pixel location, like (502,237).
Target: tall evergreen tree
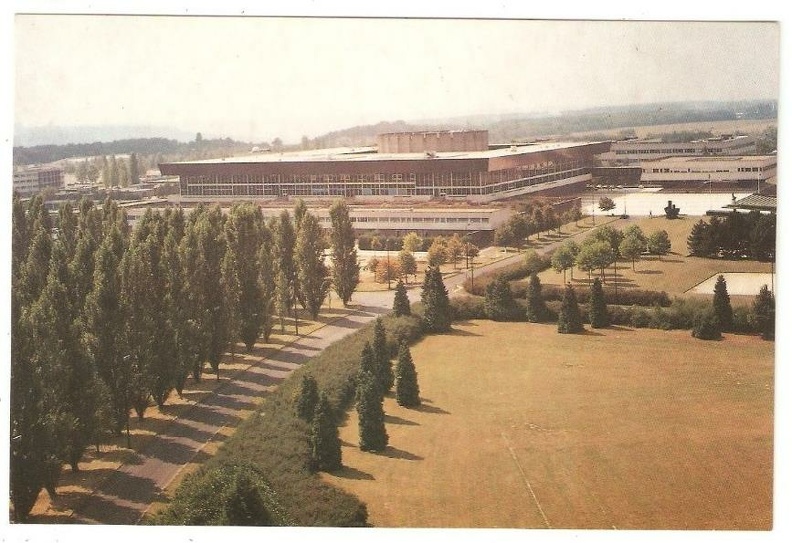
(499,303)
(307,398)
(383,370)
(371,415)
(346,271)
(721,304)
(700,241)
(134,169)
(407,391)
(324,438)
(569,321)
(312,272)
(763,313)
(437,309)
(598,311)
(33,276)
(536,310)
(67,229)
(367,363)
(19,235)
(401,303)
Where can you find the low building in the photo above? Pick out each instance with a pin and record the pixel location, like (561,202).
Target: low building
(34,179)
(453,165)
(639,150)
(704,173)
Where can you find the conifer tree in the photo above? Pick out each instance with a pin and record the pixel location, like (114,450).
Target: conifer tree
(569,321)
(499,303)
(324,438)
(346,271)
(367,359)
(371,416)
(383,370)
(134,169)
(437,309)
(721,303)
(536,310)
(598,311)
(763,313)
(407,390)
(307,398)
(401,303)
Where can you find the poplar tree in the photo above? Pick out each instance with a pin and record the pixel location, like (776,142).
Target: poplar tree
(312,272)
(569,321)
(721,304)
(266,281)
(407,390)
(104,319)
(346,271)
(244,237)
(401,303)
(536,310)
(598,311)
(134,169)
(285,271)
(371,415)
(324,438)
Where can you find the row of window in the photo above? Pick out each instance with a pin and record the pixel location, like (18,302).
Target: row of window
(411,220)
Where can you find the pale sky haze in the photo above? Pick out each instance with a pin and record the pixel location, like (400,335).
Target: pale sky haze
(257,78)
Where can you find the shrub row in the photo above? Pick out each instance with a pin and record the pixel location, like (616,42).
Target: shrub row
(512,272)
(646,298)
(274,440)
(680,314)
(390,243)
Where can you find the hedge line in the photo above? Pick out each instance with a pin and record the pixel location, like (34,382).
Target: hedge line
(275,441)
(678,315)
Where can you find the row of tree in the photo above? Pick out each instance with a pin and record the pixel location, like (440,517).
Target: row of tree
(105,319)
(113,171)
(535,218)
(605,246)
(737,235)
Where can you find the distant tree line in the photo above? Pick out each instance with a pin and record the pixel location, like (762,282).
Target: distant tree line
(737,235)
(106,320)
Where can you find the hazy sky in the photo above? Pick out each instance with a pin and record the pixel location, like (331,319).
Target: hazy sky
(259,78)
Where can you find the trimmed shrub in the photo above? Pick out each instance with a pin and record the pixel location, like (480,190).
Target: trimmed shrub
(467,308)
(307,398)
(569,320)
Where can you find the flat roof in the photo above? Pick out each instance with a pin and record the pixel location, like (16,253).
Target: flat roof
(367,154)
(721,158)
(756,201)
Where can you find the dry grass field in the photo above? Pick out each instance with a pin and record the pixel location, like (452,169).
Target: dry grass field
(526,428)
(674,273)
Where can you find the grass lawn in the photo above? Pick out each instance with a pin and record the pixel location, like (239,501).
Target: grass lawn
(674,273)
(526,428)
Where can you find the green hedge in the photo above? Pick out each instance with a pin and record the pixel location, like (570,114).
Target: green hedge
(275,441)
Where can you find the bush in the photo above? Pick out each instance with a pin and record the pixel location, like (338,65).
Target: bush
(499,302)
(640,297)
(467,308)
(706,325)
(228,495)
(512,272)
(569,319)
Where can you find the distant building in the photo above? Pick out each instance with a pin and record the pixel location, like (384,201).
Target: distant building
(639,150)
(410,166)
(34,179)
(723,172)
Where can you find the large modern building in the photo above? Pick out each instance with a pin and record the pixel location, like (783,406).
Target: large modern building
(710,172)
(32,180)
(639,150)
(411,166)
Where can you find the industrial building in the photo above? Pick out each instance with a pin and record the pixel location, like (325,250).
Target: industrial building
(414,166)
(639,150)
(710,172)
(34,179)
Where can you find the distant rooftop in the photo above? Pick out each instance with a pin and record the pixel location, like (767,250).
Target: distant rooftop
(756,201)
(719,158)
(365,154)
